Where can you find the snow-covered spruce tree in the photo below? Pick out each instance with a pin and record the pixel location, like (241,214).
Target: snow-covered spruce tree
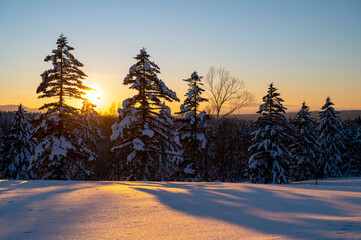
(270,157)
(60,154)
(330,140)
(89,127)
(145,132)
(192,132)
(17,148)
(305,149)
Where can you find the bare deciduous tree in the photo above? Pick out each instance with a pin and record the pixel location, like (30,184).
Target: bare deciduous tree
(226,94)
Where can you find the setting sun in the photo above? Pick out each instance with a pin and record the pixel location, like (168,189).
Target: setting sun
(93,96)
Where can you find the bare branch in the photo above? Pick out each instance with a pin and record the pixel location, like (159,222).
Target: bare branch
(226,94)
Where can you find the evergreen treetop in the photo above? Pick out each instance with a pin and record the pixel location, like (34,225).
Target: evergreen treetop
(193,96)
(64,80)
(330,140)
(272,105)
(270,158)
(17,148)
(60,154)
(305,148)
(329,119)
(142,127)
(192,131)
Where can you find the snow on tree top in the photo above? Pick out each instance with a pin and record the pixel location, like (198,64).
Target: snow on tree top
(327,103)
(166,90)
(132,68)
(67,53)
(194,75)
(146,65)
(61,38)
(143,52)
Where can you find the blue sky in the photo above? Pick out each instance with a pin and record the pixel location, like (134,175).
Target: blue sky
(309,49)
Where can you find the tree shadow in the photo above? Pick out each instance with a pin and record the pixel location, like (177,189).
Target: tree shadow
(9,185)
(29,204)
(264,209)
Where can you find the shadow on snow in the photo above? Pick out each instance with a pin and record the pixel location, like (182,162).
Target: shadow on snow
(293,210)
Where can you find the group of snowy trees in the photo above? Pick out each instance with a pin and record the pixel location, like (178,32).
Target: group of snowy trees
(66,143)
(53,149)
(147,143)
(299,149)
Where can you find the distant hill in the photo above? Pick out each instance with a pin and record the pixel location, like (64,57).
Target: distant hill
(344,115)
(10,108)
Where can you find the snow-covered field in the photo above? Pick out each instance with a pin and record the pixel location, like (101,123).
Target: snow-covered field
(168,210)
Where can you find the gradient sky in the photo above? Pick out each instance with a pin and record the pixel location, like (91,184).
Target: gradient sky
(308,49)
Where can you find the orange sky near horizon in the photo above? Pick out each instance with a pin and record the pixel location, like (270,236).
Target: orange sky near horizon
(110,89)
(314,89)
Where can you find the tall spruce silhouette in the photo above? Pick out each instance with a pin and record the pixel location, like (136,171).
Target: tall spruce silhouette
(270,157)
(16,148)
(305,150)
(59,153)
(330,140)
(144,133)
(192,131)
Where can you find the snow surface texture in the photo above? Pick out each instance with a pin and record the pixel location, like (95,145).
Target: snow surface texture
(176,210)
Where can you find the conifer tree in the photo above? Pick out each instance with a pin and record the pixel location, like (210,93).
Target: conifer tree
(270,157)
(305,149)
(144,132)
(89,130)
(60,154)
(192,132)
(330,140)
(17,148)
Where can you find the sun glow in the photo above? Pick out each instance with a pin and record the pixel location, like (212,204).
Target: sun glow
(93,96)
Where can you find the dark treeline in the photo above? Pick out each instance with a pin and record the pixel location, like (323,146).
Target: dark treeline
(147,142)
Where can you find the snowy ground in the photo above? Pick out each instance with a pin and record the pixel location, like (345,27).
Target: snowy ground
(166,210)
